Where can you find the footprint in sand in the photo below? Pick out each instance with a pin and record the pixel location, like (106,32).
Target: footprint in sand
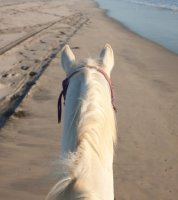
(37,61)
(10,75)
(20,114)
(32,73)
(62,33)
(75,48)
(42,41)
(5,75)
(24,67)
(13,75)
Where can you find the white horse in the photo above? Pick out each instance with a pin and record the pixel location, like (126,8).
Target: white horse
(89,130)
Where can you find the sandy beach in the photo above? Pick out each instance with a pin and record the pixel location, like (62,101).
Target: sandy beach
(145,79)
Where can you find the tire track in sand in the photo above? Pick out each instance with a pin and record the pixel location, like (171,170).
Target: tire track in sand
(27,36)
(10,102)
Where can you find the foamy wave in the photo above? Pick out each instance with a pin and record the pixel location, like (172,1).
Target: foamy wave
(162,5)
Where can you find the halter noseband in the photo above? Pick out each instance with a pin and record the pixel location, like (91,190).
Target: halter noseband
(65,84)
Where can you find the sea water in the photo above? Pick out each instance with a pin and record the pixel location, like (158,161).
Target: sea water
(156,20)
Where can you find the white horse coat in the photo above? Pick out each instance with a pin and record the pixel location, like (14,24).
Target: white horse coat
(89,132)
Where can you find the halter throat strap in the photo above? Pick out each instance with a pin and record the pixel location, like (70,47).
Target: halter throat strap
(65,84)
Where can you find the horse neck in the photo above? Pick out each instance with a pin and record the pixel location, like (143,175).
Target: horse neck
(88,113)
(89,130)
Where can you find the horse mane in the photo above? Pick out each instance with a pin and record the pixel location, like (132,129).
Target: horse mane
(96,131)
(96,123)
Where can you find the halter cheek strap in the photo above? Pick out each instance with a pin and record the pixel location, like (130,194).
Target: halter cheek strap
(65,84)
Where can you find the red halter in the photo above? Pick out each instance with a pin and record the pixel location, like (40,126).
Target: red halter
(65,84)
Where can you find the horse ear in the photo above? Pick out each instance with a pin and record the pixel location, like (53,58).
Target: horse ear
(107,58)
(67,59)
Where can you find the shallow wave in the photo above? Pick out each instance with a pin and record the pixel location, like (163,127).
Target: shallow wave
(162,4)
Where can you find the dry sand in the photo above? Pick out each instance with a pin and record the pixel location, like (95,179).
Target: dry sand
(145,80)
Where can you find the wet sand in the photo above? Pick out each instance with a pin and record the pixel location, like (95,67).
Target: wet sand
(145,83)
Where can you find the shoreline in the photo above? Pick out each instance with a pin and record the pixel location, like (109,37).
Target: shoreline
(106,13)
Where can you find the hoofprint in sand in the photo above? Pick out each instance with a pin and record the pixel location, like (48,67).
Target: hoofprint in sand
(145,85)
